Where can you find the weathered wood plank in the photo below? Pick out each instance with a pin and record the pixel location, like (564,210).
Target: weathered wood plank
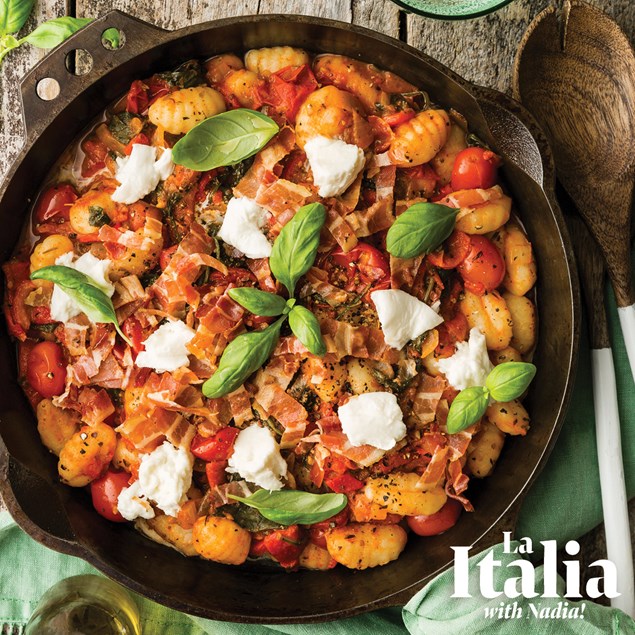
(482,50)
(334,9)
(379,16)
(15,65)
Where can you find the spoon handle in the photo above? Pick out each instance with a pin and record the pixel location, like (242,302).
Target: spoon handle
(612,484)
(627,322)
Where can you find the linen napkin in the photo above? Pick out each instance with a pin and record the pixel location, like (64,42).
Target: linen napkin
(563,504)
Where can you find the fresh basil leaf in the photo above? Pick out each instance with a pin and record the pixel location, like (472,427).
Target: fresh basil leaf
(420,229)
(53,32)
(224,139)
(84,291)
(242,357)
(510,380)
(467,408)
(307,329)
(111,37)
(251,519)
(296,246)
(7,44)
(13,15)
(291,507)
(258,302)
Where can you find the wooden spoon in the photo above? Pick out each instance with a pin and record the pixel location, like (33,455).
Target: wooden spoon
(576,74)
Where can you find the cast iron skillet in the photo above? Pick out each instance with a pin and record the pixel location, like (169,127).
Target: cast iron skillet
(63,518)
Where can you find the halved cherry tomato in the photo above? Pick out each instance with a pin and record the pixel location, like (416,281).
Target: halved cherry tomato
(95,156)
(46,369)
(215,472)
(54,204)
(484,268)
(317,532)
(364,267)
(437,523)
(41,315)
(237,276)
(216,448)
(286,89)
(105,492)
(343,483)
(454,251)
(137,139)
(285,545)
(143,94)
(397,118)
(451,332)
(474,168)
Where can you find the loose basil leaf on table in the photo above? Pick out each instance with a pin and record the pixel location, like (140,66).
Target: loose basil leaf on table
(467,408)
(53,32)
(291,507)
(84,291)
(306,328)
(420,229)
(242,357)
(258,302)
(224,139)
(111,37)
(296,246)
(509,380)
(13,15)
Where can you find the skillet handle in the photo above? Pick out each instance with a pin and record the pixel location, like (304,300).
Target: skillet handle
(139,37)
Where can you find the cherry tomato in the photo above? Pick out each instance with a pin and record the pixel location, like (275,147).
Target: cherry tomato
(484,268)
(54,203)
(105,492)
(474,167)
(285,545)
(216,448)
(343,483)
(95,156)
(137,139)
(364,268)
(437,523)
(451,332)
(286,89)
(454,251)
(46,369)
(318,530)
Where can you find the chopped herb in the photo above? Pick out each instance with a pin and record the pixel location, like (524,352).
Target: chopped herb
(120,128)
(187,75)
(97,217)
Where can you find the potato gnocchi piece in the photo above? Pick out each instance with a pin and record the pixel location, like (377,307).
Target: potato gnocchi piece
(489,313)
(243,85)
(325,375)
(369,84)
(56,425)
(166,530)
(87,454)
(272,59)
(509,417)
(221,540)
(316,558)
(508,354)
(418,140)
(93,209)
(360,376)
(398,493)
(523,314)
(49,250)
(485,216)
(364,545)
(335,114)
(520,266)
(180,111)
(443,162)
(220,66)
(484,450)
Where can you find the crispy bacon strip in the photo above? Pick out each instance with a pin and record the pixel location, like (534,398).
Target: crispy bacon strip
(240,406)
(94,405)
(363,455)
(147,432)
(435,470)
(283,199)
(343,233)
(456,484)
(343,339)
(426,400)
(317,281)
(403,272)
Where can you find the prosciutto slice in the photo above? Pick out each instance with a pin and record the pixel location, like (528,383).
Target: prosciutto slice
(427,397)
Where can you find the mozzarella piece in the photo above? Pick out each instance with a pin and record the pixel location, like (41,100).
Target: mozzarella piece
(334,163)
(242,228)
(166,348)
(373,418)
(165,475)
(470,365)
(403,317)
(257,458)
(140,173)
(63,307)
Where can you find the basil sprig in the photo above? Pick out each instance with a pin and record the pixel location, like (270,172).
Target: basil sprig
(13,15)
(242,357)
(224,139)
(84,291)
(53,32)
(505,382)
(295,250)
(420,229)
(291,507)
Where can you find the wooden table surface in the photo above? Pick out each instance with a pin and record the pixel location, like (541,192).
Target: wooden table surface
(481,50)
